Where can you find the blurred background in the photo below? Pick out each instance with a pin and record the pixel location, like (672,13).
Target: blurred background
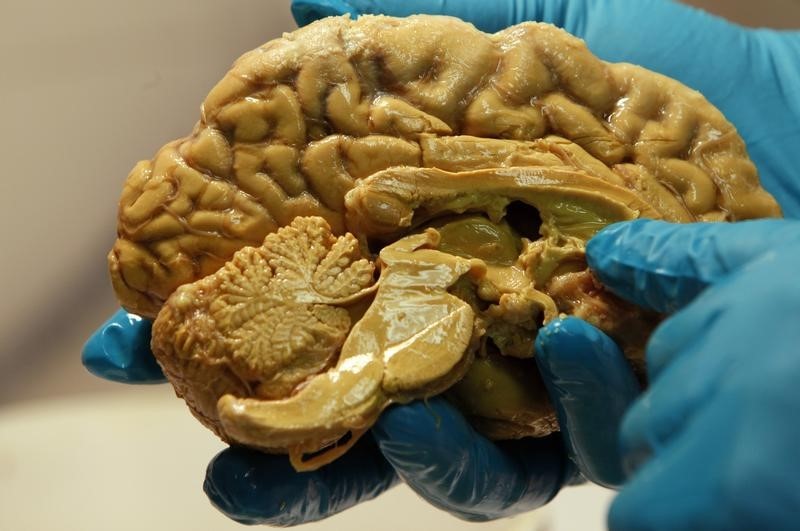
(91,87)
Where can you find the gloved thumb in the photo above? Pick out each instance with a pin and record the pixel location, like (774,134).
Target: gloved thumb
(591,386)
(120,351)
(663,266)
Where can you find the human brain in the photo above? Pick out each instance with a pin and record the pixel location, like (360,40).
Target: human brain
(375,210)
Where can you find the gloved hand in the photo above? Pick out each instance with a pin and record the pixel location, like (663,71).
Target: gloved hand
(582,368)
(713,441)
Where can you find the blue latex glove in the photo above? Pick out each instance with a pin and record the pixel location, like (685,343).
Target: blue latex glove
(713,441)
(120,351)
(577,363)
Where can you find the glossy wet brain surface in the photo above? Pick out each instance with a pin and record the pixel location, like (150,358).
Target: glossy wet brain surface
(378,210)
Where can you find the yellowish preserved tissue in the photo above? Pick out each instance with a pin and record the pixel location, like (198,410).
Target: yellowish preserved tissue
(376,210)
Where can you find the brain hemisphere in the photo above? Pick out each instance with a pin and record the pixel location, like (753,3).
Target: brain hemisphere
(479,164)
(297,122)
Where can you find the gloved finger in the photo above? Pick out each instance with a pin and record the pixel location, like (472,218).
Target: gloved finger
(664,266)
(438,454)
(256,488)
(591,385)
(487,16)
(120,351)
